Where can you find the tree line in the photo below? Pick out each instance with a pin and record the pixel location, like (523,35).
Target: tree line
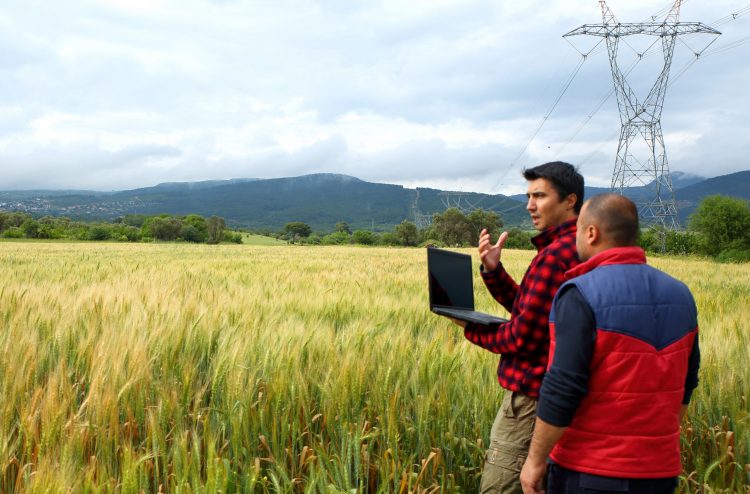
(129,228)
(719,228)
(451,228)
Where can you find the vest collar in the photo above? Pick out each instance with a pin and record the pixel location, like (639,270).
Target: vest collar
(615,255)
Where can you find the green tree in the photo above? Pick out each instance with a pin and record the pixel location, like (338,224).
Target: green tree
(134,219)
(198,229)
(233,237)
(721,223)
(99,232)
(215,226)
(658,239)
(295,230)
(191,234)
(14,219)
(407,233)
(30,228)
(517,239)
(389,238)
(164,228)
(481,219)
(335,238)
(364,237)
(13,232)
(126,233)
(452,227)
(342,226)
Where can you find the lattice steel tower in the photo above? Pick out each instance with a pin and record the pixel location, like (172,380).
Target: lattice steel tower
(637,164)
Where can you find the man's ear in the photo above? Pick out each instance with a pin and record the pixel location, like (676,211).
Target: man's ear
(571,200)
(592,234)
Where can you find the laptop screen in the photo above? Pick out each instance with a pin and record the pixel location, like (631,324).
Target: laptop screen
(451,284)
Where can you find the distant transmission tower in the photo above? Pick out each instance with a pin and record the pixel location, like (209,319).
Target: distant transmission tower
(636,165)
(456,200)
(421,220)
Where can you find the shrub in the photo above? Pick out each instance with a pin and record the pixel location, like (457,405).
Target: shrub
(431,242)
(8,220)
(99,232)
(296,229)
(407,233)
(189,233)
(233,237)
(163,228)
(30,228)
(720,221)
(518,239)
(658,239)
(364,237)
(389,238)
(337,238)
(199,232)
(313,239)
(13,232)
(215,227)
(131,233)
(734,255)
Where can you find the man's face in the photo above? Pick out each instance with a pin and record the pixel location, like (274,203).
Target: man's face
(545,205)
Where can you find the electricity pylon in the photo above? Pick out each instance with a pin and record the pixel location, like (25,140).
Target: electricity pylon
(641,119)
(456,200)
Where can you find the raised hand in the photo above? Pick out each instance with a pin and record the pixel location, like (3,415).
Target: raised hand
(489,253)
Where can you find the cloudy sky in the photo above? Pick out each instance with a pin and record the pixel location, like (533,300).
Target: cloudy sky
(119,94)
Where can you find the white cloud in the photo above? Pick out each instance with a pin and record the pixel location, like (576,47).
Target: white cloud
(116,94)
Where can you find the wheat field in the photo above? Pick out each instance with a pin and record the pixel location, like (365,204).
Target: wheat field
(131,368)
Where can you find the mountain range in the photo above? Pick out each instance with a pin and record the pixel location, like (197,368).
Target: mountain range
(321,200)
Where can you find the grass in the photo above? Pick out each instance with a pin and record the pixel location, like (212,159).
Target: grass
(252,239)
(240,368)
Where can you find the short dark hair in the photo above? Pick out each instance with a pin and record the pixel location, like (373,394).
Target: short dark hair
(616,216)
(564,177)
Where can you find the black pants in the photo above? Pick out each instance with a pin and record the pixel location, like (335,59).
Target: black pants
(563,481)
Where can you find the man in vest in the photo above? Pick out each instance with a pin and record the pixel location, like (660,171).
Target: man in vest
(623,365)
(555,195)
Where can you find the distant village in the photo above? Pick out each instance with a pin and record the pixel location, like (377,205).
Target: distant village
(42,206)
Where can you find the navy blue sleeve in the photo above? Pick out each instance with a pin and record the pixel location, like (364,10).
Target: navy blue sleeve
(566,381)
(691,381)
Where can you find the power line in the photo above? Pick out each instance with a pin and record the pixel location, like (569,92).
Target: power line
(702,53)
(705,52)
(569,81)
(640,55)
(559,97)
(641,119)
(604,99)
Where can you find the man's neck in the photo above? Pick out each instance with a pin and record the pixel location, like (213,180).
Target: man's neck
(565,220)
(571,216)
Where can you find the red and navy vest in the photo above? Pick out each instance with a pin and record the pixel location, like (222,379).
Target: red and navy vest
(628,425)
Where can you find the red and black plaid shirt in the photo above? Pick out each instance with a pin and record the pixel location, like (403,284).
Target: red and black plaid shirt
(524,340)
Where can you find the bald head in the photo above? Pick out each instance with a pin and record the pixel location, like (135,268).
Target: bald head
(615,216)
(606,221)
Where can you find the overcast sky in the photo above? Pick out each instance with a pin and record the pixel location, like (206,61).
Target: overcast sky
(120,94)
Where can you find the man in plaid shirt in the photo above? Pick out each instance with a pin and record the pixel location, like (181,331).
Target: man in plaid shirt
(555,196)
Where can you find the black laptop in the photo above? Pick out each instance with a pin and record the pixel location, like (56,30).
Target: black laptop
(452,287)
